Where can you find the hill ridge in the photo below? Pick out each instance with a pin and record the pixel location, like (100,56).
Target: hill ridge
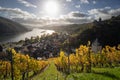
(8,26)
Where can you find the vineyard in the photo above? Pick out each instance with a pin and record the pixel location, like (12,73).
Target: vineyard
(20,66)
(85,59)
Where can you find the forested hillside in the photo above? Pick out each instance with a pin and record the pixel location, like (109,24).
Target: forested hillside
(107,32)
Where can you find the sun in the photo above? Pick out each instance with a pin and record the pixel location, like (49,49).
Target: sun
(51,8)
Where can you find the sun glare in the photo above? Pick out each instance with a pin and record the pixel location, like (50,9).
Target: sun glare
(51,8)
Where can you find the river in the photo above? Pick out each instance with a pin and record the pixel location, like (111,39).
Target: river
(22,36)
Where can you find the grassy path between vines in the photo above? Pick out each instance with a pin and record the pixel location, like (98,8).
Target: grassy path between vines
(50,73)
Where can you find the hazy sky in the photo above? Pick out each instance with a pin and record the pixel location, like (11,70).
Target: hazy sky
(42,12)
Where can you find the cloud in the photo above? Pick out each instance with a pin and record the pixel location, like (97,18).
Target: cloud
(104,13)
(77,17)
(27,4)
(15,13)
(77,6)
(107,7)
(84,1)
(77,14)
(79,20)
(94,2)
(68,0)
(74,17)
(70,18)
(114,12)
(31,20)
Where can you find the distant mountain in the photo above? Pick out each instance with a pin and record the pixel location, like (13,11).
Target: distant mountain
(10,27)
(69,28)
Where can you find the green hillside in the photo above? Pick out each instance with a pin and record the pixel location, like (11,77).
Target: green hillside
(10,27)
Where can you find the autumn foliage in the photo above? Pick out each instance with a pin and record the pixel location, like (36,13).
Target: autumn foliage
(84,59)
(22,65)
